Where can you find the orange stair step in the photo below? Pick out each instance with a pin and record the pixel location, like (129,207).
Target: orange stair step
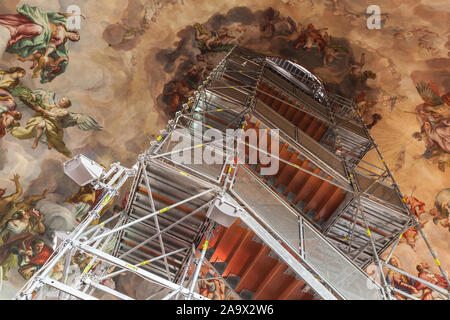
(215,239)
(243,256)
(276,104)
(322,194)
(320,132)
(309,188)
(283,108)
(331,205)
(228,243)
(305,122)
(293,291)
(288,171)
(257,271)
(312,127)
(283,154)
(298,117)
(298,180)
(272,93)
(291,112)
(273,285)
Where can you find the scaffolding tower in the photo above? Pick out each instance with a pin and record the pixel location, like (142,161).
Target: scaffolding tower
(308,230)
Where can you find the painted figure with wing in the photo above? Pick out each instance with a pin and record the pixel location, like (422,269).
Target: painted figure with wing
(434,118)
(48,124)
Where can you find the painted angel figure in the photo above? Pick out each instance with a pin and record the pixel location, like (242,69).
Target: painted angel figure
(35,34)
(51,118)
(9,80)
(434,119)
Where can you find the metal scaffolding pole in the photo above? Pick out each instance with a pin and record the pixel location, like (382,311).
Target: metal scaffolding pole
(397,190)
(165,229)
(143,263)
(168,243)
(111,189)
(199,266)
(138,271)
(155,219)
(64,288)
(150,215)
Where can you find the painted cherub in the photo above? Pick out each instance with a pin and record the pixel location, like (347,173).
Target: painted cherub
(410,237)
(441,211)
(39,63)
(8,120)
(311,38)
(331,49)
(10,78)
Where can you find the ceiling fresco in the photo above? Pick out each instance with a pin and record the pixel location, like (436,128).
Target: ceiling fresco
(107,88)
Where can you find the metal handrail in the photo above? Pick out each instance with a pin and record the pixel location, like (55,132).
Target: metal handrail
(304,222)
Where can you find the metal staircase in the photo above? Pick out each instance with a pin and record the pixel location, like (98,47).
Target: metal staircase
(305,231)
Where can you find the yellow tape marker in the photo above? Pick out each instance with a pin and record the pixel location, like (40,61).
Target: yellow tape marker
(205,245)
(437,262)
(382,160)
(144,263)
(159,138)
(184,173)
(188,102)
(87,269)
(368,232)
(107,199)
(131,267)
(218,110)
(240,70)
(297,166)
(345,239)
(231,87)
(199,145)
(401,235)
(164,210)
(351,176)
(229,169)
(102,224)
